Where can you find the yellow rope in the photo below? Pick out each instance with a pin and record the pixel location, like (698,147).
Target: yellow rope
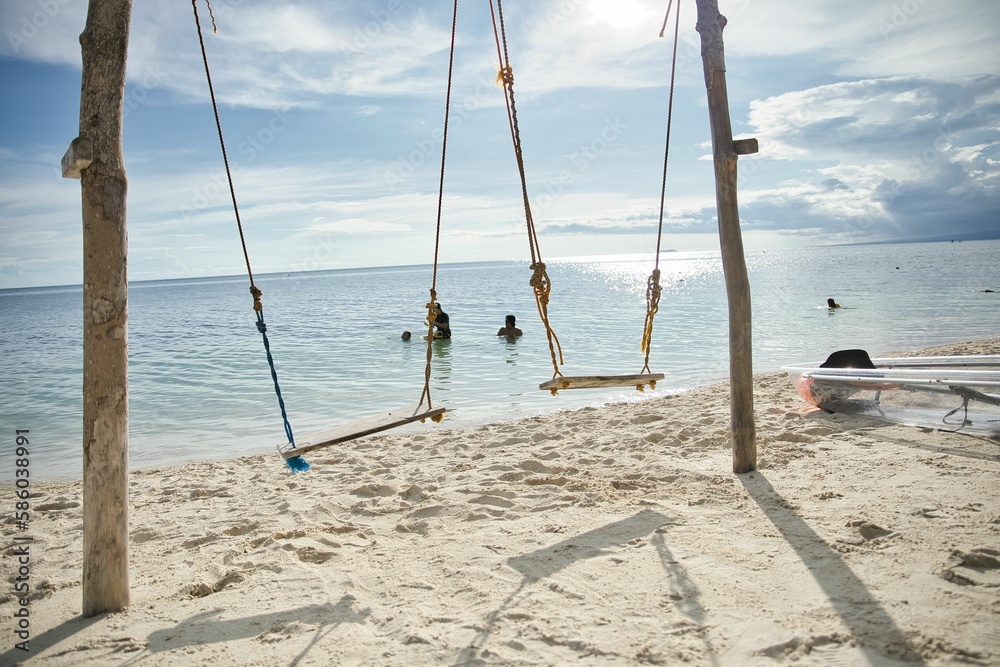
(432,303)
(542,287)
(653,291)
(540,282)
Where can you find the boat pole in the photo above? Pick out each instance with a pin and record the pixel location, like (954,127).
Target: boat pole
(96,158)
(725,152)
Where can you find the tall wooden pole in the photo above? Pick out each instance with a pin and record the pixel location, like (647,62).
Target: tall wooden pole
(725,151)
(96,158)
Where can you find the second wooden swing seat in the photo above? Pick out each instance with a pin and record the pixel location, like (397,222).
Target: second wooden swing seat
(540,280)
(639,381)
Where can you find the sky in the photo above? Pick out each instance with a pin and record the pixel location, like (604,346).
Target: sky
(877,120)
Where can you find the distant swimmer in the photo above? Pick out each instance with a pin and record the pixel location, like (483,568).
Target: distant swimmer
(831,304)
(509,328)
(405,336)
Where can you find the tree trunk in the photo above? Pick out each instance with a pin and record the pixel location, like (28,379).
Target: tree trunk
(710,25)
(104,44)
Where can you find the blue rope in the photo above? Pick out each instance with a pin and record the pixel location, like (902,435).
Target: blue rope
(296,463)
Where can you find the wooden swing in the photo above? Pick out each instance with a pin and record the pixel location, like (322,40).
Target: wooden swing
(361,428)
(540,282)
(291,450)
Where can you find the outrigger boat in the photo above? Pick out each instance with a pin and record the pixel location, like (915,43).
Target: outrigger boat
(955,393)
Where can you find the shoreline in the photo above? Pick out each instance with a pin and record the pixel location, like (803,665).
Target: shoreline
(615,535)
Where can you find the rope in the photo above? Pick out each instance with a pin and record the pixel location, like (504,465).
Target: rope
(653,289)
(432,303)
(540,282)
(296,463)
(222,143)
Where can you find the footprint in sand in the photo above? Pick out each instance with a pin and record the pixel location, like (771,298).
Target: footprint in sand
(866,532)
(242,528)
(141,536)
(976,567)
(374,490)
(198,541)
(199,494)
(309,554)
(646,419)
(413,494)
(202,589)
(58,504)
(426,512)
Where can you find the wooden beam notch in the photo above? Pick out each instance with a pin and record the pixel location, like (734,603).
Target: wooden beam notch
(745,146)
(78,157)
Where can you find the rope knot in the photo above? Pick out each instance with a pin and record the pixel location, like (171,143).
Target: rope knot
(653,291)
(505,76)
(540,282)
(255,291)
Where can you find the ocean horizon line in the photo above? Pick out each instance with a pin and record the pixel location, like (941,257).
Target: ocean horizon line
(637,256)
(560,259)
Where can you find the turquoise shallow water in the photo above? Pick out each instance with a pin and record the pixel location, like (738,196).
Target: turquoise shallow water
(200,386)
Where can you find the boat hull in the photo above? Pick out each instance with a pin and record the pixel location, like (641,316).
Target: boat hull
(960,393)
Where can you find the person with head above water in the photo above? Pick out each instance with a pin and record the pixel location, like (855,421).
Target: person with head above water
(405,336)
(830,303)
(442,323)
(509,328)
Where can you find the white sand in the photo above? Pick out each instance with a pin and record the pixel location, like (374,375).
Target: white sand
(612,536)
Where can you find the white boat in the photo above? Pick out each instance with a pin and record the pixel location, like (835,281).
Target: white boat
(956,393)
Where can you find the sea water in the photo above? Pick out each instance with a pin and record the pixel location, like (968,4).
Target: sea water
(200,386)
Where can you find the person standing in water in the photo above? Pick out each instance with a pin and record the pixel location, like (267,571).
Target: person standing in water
(509,328)
(442,323)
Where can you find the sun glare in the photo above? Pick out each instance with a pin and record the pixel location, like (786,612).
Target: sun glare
(617,13)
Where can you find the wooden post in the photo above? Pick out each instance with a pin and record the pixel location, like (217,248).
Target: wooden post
(725,151)
(95,157)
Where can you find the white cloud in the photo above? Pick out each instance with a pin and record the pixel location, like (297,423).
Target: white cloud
(878,147)
(875,120)
(861,38)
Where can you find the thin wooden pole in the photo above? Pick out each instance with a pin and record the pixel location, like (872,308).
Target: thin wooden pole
(710,25)
(96,158)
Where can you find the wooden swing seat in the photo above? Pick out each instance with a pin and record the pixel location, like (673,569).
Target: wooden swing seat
(599,381)
(359,429)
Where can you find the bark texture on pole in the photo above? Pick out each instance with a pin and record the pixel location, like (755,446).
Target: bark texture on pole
(104,45)
(710,25)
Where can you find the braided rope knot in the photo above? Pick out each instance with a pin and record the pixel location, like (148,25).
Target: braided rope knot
(255,291)
(505,76)
(540,282)
(653,291)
